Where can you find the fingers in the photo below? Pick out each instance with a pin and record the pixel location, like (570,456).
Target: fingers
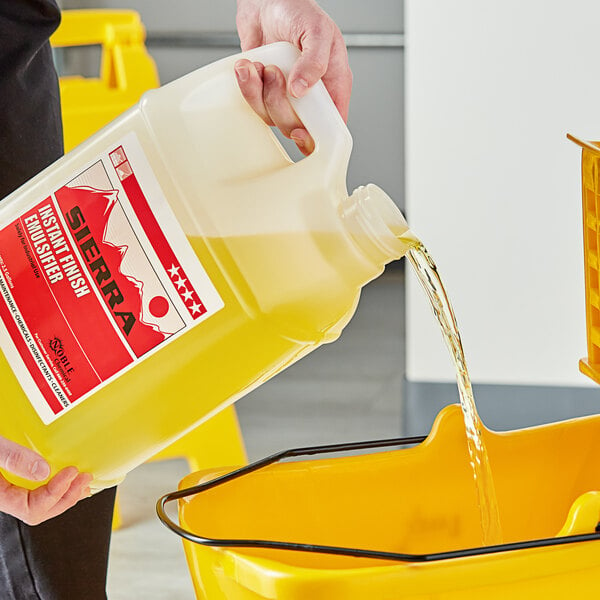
(276,102)
(338,78)
(303,140)
(309,28)
(22,461)
(62,497)
(326,59)
(265,91)
(250,80)
(63,491)
(315,44)
(324,56)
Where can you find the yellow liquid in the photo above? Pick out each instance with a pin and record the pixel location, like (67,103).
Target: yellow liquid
(290,300)
(429,278)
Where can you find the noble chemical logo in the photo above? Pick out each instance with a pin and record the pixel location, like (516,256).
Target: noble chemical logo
(61,360)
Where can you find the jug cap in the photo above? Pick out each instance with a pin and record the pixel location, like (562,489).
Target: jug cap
(376,223)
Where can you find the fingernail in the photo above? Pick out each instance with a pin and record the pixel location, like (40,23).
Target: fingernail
(298,141)
(40,469)
(242,73)
(299,88)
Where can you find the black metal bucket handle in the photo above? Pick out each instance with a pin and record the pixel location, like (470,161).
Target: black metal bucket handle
(321,549)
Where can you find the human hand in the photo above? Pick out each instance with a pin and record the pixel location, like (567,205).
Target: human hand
(61,492)
(323,56)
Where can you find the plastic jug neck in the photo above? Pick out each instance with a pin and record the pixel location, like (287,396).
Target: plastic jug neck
(376,224)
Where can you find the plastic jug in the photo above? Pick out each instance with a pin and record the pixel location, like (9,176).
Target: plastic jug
(172,263)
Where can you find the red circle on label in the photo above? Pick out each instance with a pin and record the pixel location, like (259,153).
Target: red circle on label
(159,306)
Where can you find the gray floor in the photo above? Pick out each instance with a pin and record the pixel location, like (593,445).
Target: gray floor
(347,391)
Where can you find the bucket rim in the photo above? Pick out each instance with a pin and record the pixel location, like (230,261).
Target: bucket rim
(340,550)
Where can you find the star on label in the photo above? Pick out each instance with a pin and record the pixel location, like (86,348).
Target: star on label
(180,282)
(173,271)
(187,295)
(195,308)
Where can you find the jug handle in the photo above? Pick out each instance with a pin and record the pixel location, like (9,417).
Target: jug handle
(316,110)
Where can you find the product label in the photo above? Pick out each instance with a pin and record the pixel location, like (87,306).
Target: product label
(95,278)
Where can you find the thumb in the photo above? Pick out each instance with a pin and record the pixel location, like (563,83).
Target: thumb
(312,64)
(22,461)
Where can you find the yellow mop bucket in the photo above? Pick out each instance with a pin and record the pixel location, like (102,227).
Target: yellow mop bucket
(402,523)
(405,523)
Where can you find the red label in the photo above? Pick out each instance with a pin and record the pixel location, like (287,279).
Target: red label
(91,282)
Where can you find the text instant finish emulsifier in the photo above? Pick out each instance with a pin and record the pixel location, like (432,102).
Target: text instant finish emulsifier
(172,263)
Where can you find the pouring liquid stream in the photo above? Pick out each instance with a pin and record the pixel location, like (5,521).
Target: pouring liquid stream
(429,279)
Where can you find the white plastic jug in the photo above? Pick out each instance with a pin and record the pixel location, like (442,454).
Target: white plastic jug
(172,263)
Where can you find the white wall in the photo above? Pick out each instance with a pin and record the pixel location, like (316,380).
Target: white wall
(493,186)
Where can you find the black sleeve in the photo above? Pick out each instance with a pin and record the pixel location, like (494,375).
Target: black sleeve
(67,556)
(30,122)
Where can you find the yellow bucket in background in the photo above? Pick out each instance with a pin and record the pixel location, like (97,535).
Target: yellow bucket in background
(415,508)
(126,69)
